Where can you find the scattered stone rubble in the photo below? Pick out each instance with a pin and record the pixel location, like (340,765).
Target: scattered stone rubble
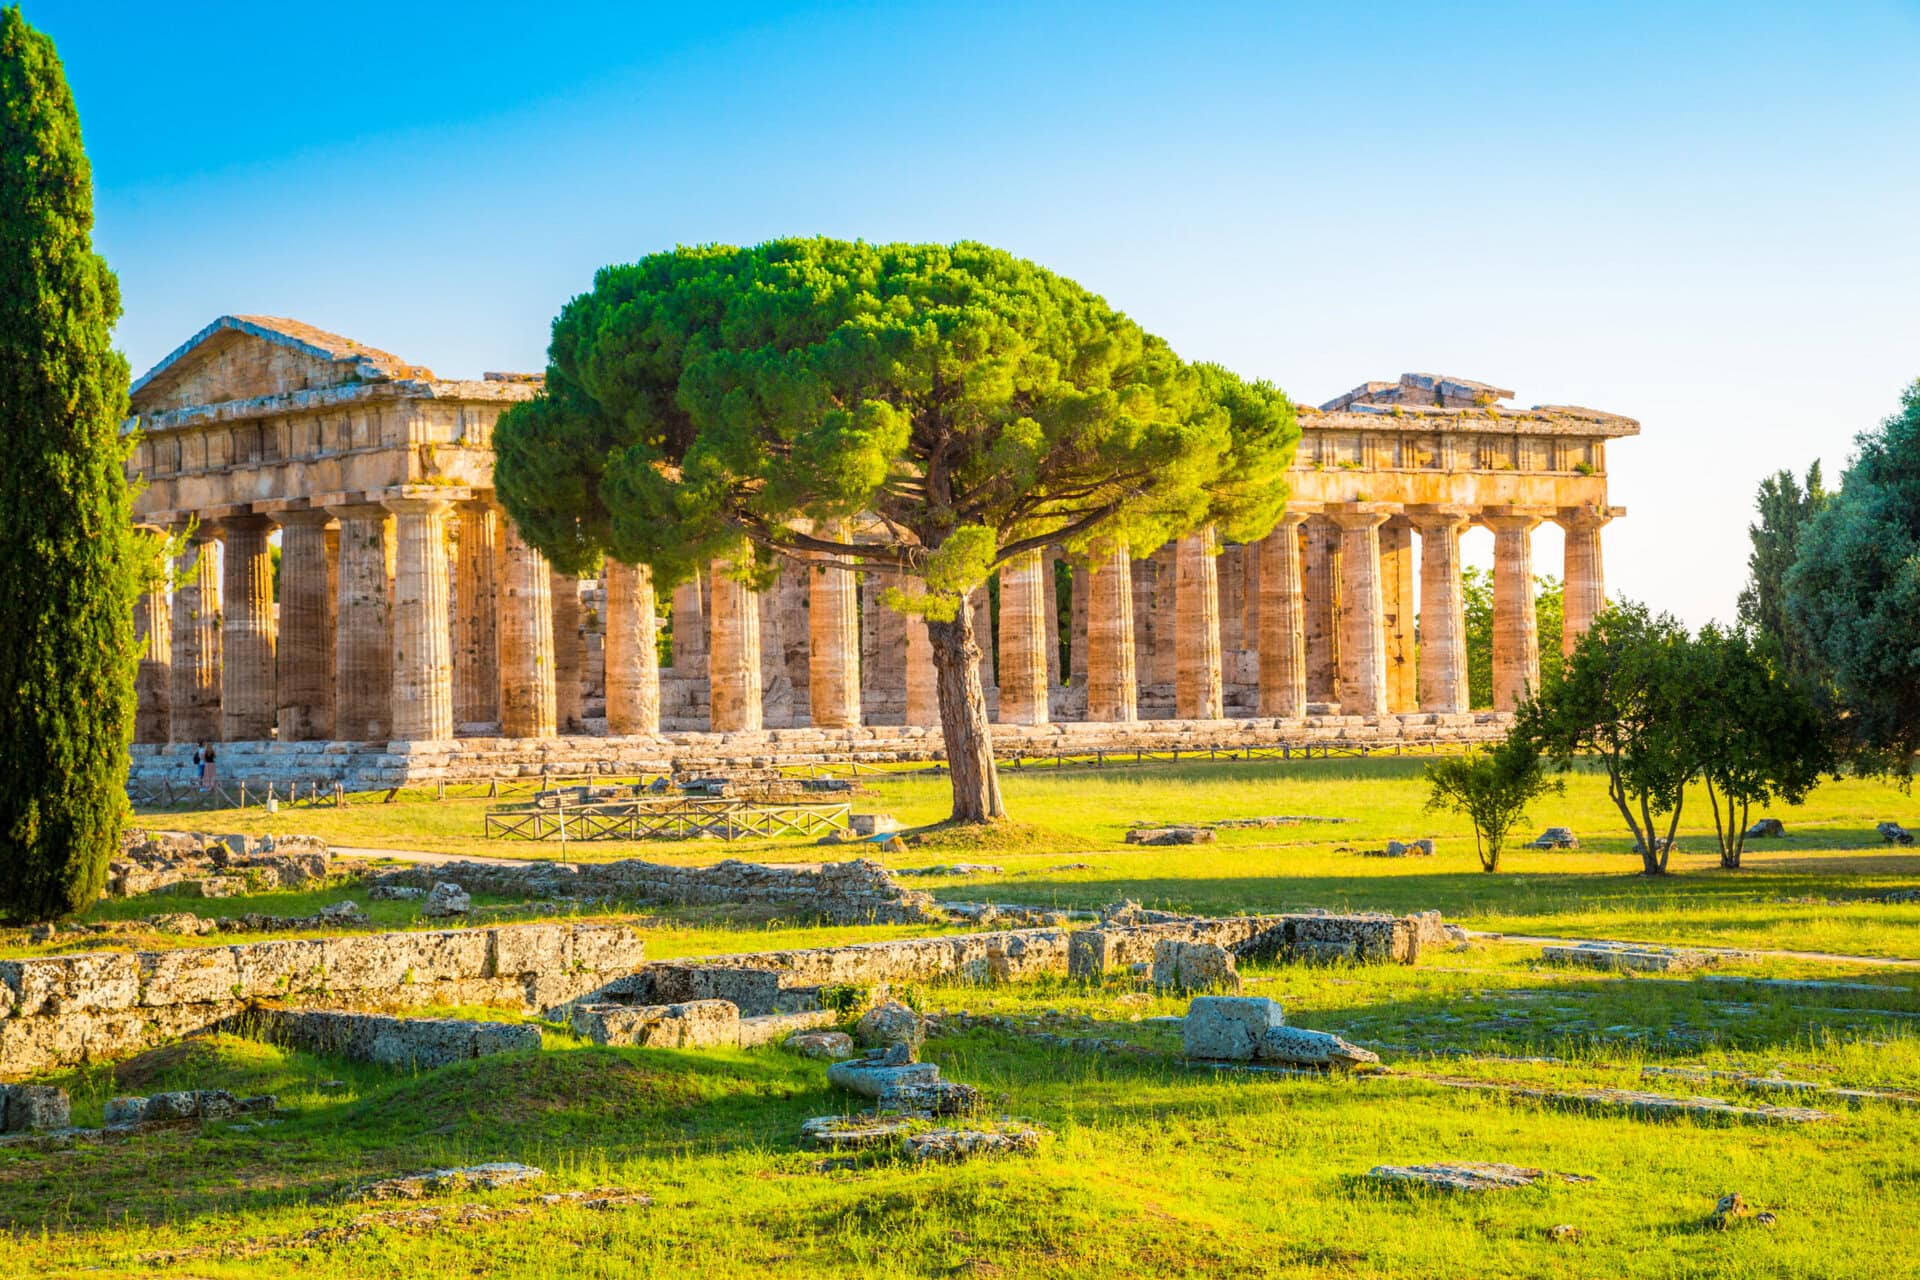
(1421,848)
(338,915)
(1731,1210)
(1893,833)
(1169,835)
(1555,838)
(1470,1176)
(127,1111)
(1767,829)
(855,892)
(1253,1028)
(214,866)
(446,899)
(1641,957)
(475,1177)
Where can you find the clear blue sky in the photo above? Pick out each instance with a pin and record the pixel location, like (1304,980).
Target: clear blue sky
(1705,216)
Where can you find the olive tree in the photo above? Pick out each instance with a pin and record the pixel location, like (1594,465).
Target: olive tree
(935,410)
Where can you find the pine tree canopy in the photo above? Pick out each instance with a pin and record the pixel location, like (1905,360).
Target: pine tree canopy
(975,404)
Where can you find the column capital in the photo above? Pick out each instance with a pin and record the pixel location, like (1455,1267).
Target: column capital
(1361,515)
(1296,515)
(1439,516)
(422,497)
(301,516)
(1514,519)
(1586,517)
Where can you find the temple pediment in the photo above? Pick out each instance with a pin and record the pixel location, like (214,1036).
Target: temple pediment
(245,357)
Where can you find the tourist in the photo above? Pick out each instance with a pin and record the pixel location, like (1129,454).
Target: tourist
(204,758)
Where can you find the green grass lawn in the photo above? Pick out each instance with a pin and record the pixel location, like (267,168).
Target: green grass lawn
(1796,893)
(1151,1167)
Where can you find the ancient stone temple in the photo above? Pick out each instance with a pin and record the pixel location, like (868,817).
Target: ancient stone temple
(406,631)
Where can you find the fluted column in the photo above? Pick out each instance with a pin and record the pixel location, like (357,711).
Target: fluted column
(690,626)
(1112,684)
(1320,591)
(476,621)
(733,656)
(833,642)
(568,666)
(1443,620)
(633,659)
(1023,652)
(247,700)
(1078,592)
(1586,586)
(1516,637)
(196,640)
(1160,664)
(1198,688)
(1363,640)
(363,640)
(307,592)
(422,628)
(982,604)
(1397,605)
(923,686)
(1282,630)
(153,680)
(526,638)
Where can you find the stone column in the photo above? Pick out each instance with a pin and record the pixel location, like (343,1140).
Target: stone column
(153,681)
(1397,604)
(1112,684)
(1049,576)
(690,626)
(1585,595)
(476,622)
(1282,630)
(1197,693)
(1077,636)
(525,598)
(422,629)
(1363,640)
(1320,590)
(247,700)
(1230,584)
(569,670)
(833,641)
(983,636)
(733,657)
(1163,663)
(1443,619)
(1516,637)
(883,648)
(307,595)
(363,641)
(633,659)
(923,686)
(196,641)
(1023,652)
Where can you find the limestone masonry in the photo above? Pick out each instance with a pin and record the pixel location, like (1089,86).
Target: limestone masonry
(417,637)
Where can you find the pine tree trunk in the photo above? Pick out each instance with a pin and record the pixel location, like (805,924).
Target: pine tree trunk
(963,720)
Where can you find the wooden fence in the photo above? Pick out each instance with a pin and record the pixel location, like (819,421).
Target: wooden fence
(671,818)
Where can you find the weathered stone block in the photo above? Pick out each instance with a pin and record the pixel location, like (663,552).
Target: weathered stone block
(891,1023)
(829,1046)
(606,948)
(30,1108)
(1311,1048)
(694,1024)
(371,962)
(450,955)
(1193,966)
(1229,1028)
(530,948)
(94,980)
(870,1079)
(191,975)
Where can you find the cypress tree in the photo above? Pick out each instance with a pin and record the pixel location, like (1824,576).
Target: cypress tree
(68,553)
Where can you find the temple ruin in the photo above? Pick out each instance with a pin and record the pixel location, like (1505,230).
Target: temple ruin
(414,634)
